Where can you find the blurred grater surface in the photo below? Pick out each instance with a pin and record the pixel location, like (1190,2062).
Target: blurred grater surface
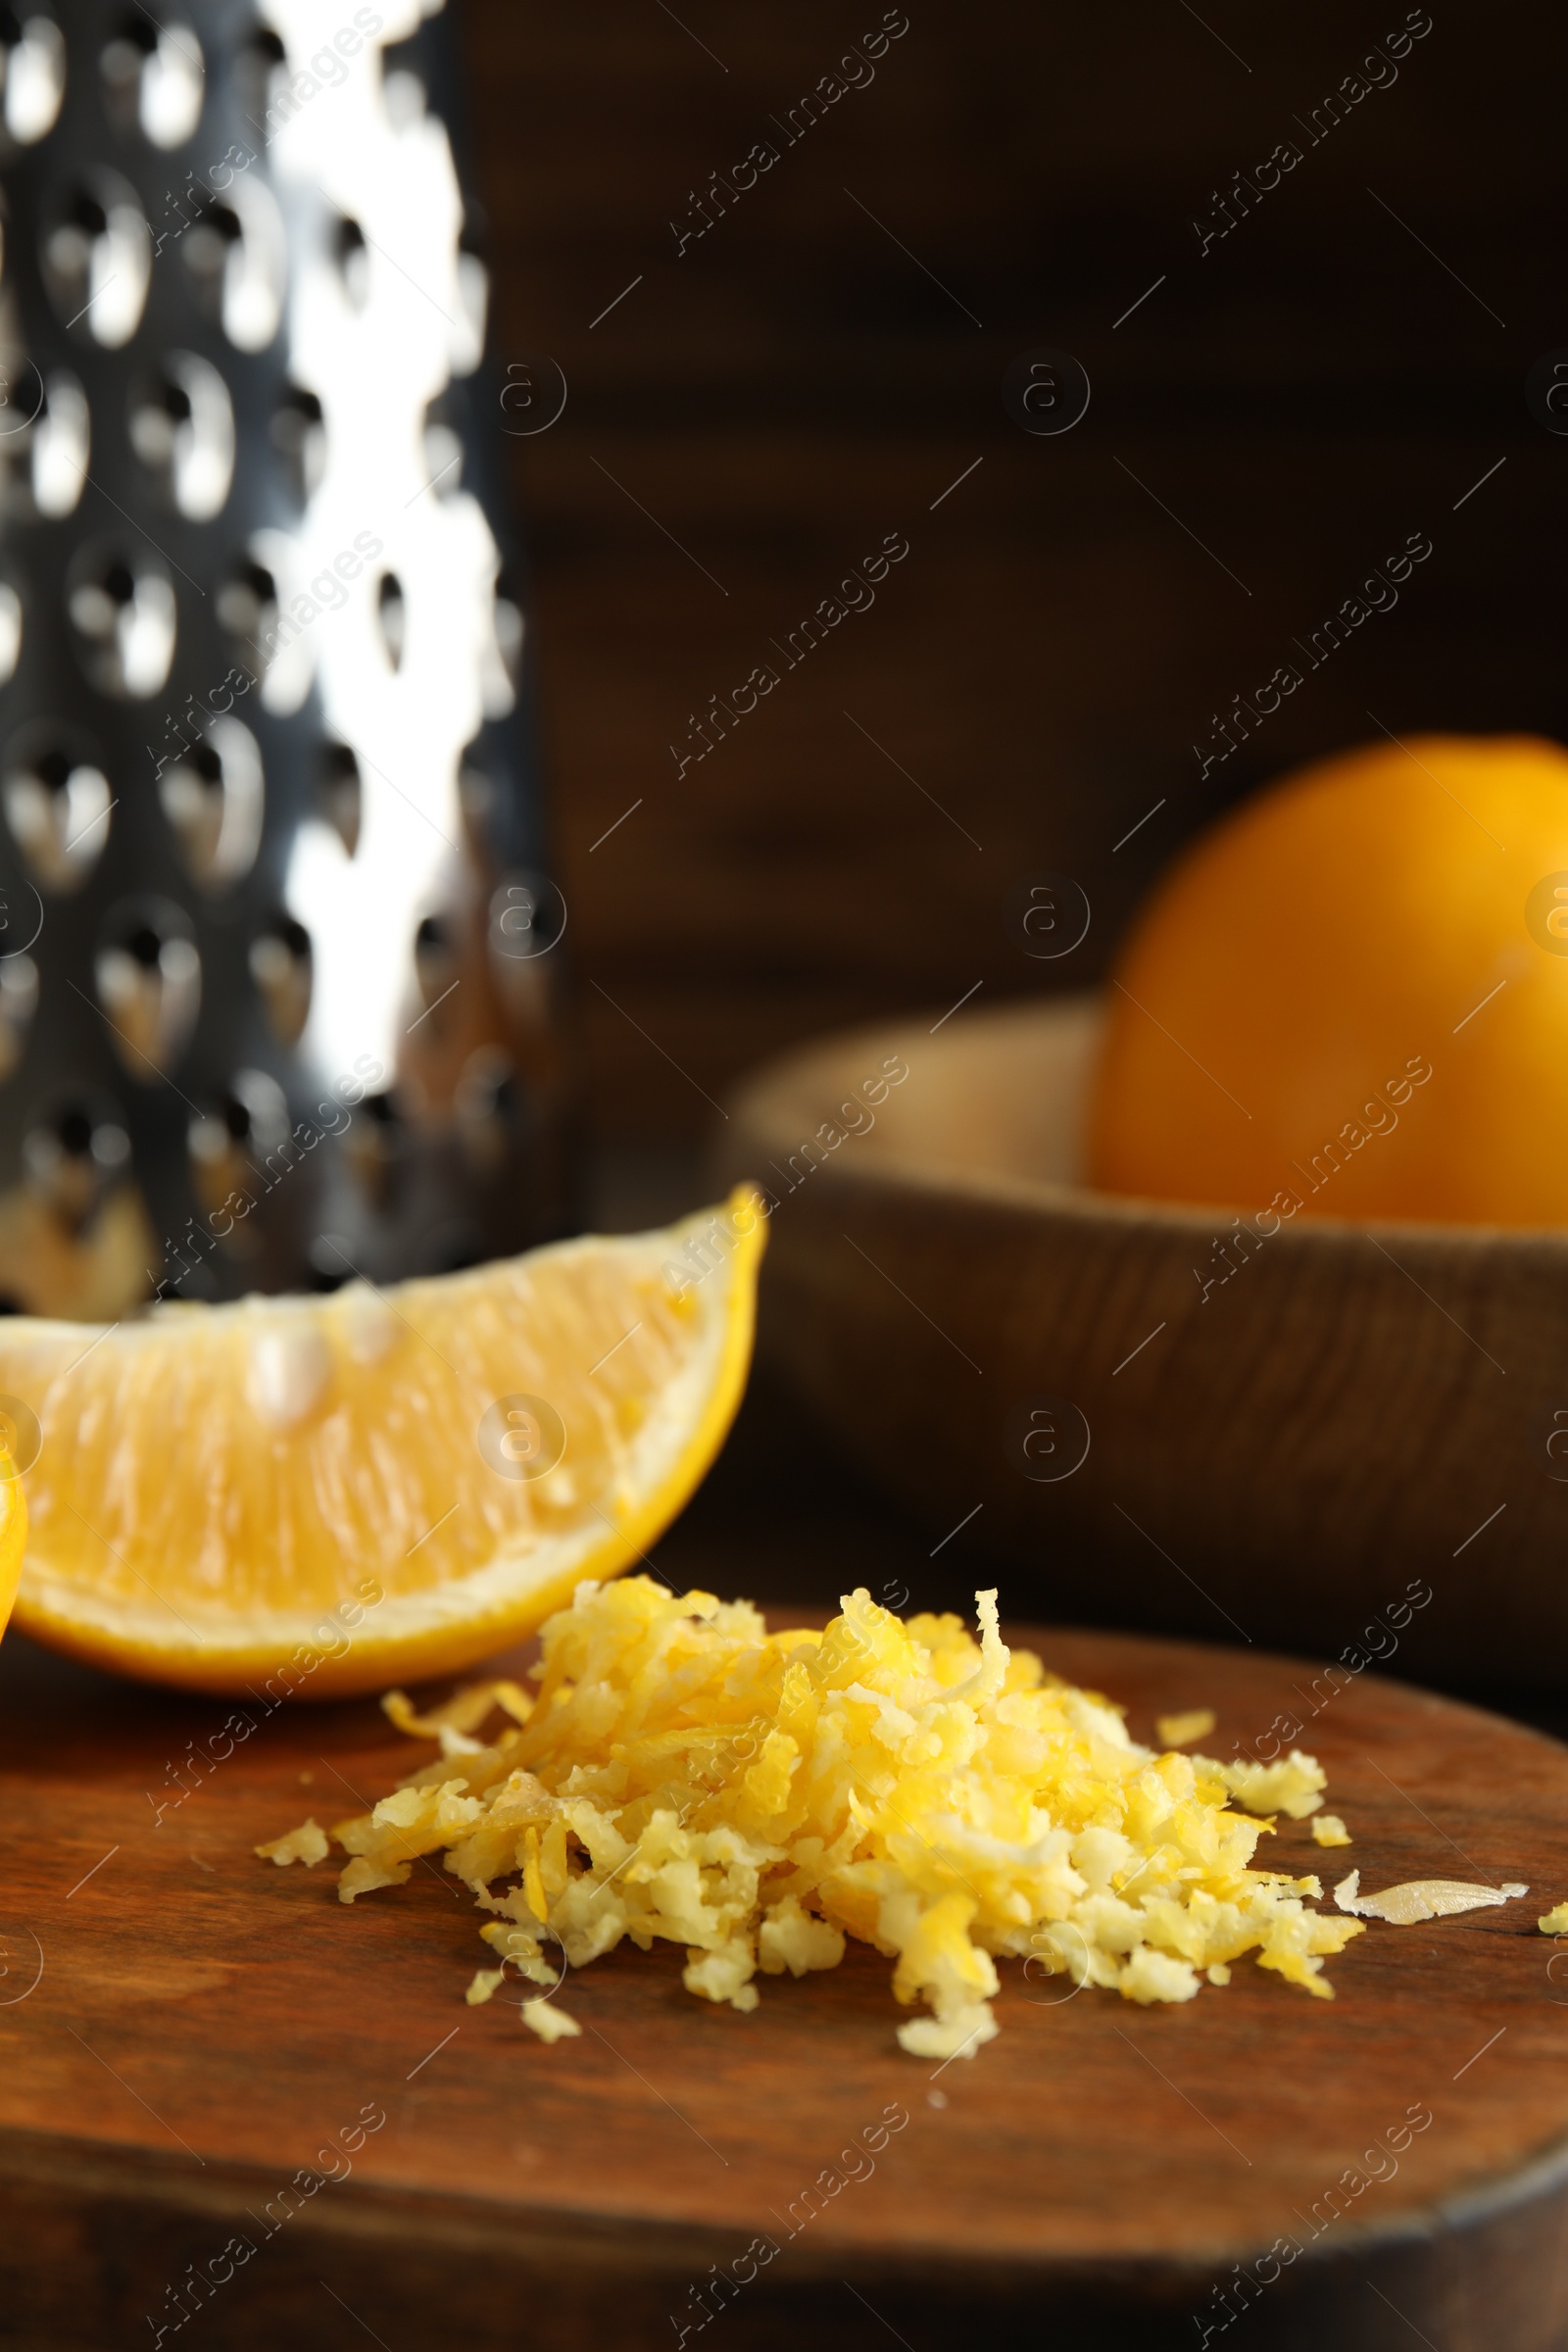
(278,980)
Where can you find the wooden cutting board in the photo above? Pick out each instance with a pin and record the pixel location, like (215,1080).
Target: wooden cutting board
(192,2042)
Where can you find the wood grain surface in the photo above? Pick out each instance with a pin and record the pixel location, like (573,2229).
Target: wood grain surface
(1280,411)
(204,2031)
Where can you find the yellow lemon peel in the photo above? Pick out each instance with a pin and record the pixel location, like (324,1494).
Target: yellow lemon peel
(758,1797)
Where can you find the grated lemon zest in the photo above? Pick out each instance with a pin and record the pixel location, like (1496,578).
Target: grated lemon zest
(1417,1899)
(1182,1729)
(306,1844)
(760,1797)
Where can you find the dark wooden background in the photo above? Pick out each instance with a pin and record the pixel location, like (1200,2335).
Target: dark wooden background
(1325,380)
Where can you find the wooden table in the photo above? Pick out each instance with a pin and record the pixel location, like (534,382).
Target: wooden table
(208,2038)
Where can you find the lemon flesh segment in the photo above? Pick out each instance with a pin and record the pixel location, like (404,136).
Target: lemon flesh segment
(380,1484)
(13,1538)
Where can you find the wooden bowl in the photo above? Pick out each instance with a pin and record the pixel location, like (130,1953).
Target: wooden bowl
(1355,1440)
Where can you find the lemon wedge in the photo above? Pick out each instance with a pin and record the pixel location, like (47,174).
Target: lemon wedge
(320,1495)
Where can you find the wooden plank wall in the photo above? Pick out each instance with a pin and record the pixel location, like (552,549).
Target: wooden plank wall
(1329,376)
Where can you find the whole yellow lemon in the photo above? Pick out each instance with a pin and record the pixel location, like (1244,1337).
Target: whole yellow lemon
(1350,998)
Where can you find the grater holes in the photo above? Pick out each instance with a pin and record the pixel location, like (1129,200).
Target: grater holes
(351,258)
(299,434)
(340,795)
(213,798)
(236,263)
(232,1143)
(391,615)
(280,965)
(374,1145)
(122,610)
(73,1149)
(181,425)
(97,259)
(58,440)
(443,451)
(32,67)
(247,607)
(435,960)
(148,975)
(57,804)
(154,80)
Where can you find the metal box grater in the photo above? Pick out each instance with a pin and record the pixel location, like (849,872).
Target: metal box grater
(278,980)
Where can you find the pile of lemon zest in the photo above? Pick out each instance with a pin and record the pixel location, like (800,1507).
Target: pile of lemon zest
(760,1797)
